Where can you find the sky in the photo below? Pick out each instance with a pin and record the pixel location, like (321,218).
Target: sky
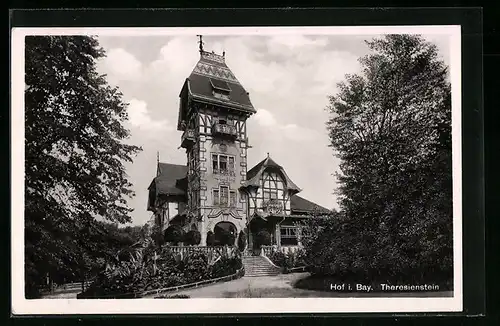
(289,78)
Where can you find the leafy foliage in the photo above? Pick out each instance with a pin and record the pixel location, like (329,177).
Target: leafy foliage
(391,128)
(74,155)
(242,241)
(262,238)
(192,237)
(224,237)
(174,234)
(210,238)
(143,272)
(288,260)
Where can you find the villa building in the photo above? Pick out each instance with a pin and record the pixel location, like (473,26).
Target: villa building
(216,188)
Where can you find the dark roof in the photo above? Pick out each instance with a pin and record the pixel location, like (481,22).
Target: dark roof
(255,173)
(211,70)
(171,179)
(299,204)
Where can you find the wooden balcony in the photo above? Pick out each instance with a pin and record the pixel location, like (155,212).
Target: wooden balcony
(272,206)
(188,138)
(226,130)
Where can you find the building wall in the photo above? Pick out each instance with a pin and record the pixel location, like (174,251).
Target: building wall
(268,181)
(209,181)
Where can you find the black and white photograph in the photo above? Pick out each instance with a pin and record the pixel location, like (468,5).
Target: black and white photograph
(276,169)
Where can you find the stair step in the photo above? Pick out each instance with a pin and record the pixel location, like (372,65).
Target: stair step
(256,266)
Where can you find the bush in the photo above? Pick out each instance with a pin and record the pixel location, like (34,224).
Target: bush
(136,276)
(193,237)
(210,238)
(262,238)
(367,253)
(242,241)
(174,234)
(289,260)
(224,237)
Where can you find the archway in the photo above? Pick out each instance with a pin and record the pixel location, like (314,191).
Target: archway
(225,233)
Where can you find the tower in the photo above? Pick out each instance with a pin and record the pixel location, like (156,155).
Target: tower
(213,110)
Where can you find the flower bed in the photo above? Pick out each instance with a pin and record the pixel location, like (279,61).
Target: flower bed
(133,278)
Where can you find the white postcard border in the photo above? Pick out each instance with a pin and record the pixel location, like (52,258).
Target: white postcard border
(22,306)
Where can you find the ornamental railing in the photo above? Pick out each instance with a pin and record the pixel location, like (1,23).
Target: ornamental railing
(224,129)
(224,172)
(217,251)
(272,206)
(187,138)
(268,250)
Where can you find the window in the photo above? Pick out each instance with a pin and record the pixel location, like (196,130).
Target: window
(223,164)
(272,187)
(224,194)
(216,197)
(224,197)
(270,194)
(215,162)
(288,235)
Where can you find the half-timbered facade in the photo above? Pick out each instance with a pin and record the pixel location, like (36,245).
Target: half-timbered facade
(215,188)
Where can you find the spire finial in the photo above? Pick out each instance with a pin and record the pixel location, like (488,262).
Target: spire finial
(267,154)
(158,157)
(201,42)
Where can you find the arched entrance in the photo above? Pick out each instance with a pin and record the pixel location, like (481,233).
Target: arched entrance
(225,233)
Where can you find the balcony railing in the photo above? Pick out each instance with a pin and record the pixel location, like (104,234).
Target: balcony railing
(272,206)
(187,138)
(228,173)
(224,130)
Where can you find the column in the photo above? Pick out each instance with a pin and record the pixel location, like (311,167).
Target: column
(278,235)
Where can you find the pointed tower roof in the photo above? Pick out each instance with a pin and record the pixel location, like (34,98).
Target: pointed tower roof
(254,174)
(212,74)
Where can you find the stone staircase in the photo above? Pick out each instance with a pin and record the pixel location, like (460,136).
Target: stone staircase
(259,266)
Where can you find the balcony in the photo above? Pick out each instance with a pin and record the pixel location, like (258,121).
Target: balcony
(224,172)
(187,139)
(224,130)
(272,206)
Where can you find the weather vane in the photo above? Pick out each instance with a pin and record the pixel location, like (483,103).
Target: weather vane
(200,42)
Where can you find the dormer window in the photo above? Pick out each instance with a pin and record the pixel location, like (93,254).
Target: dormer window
(220,89)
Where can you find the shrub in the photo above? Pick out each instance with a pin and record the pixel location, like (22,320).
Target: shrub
(193,237)
(288,260)
(210,238)
(174,234)
(137,275)
(278,258)
(242,241)
(224,237)
(262,238)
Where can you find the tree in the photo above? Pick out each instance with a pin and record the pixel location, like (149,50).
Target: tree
(174,234)
(391,128)
(210,238)
(75,150)
(193,237)
(262,238)
(242,241)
